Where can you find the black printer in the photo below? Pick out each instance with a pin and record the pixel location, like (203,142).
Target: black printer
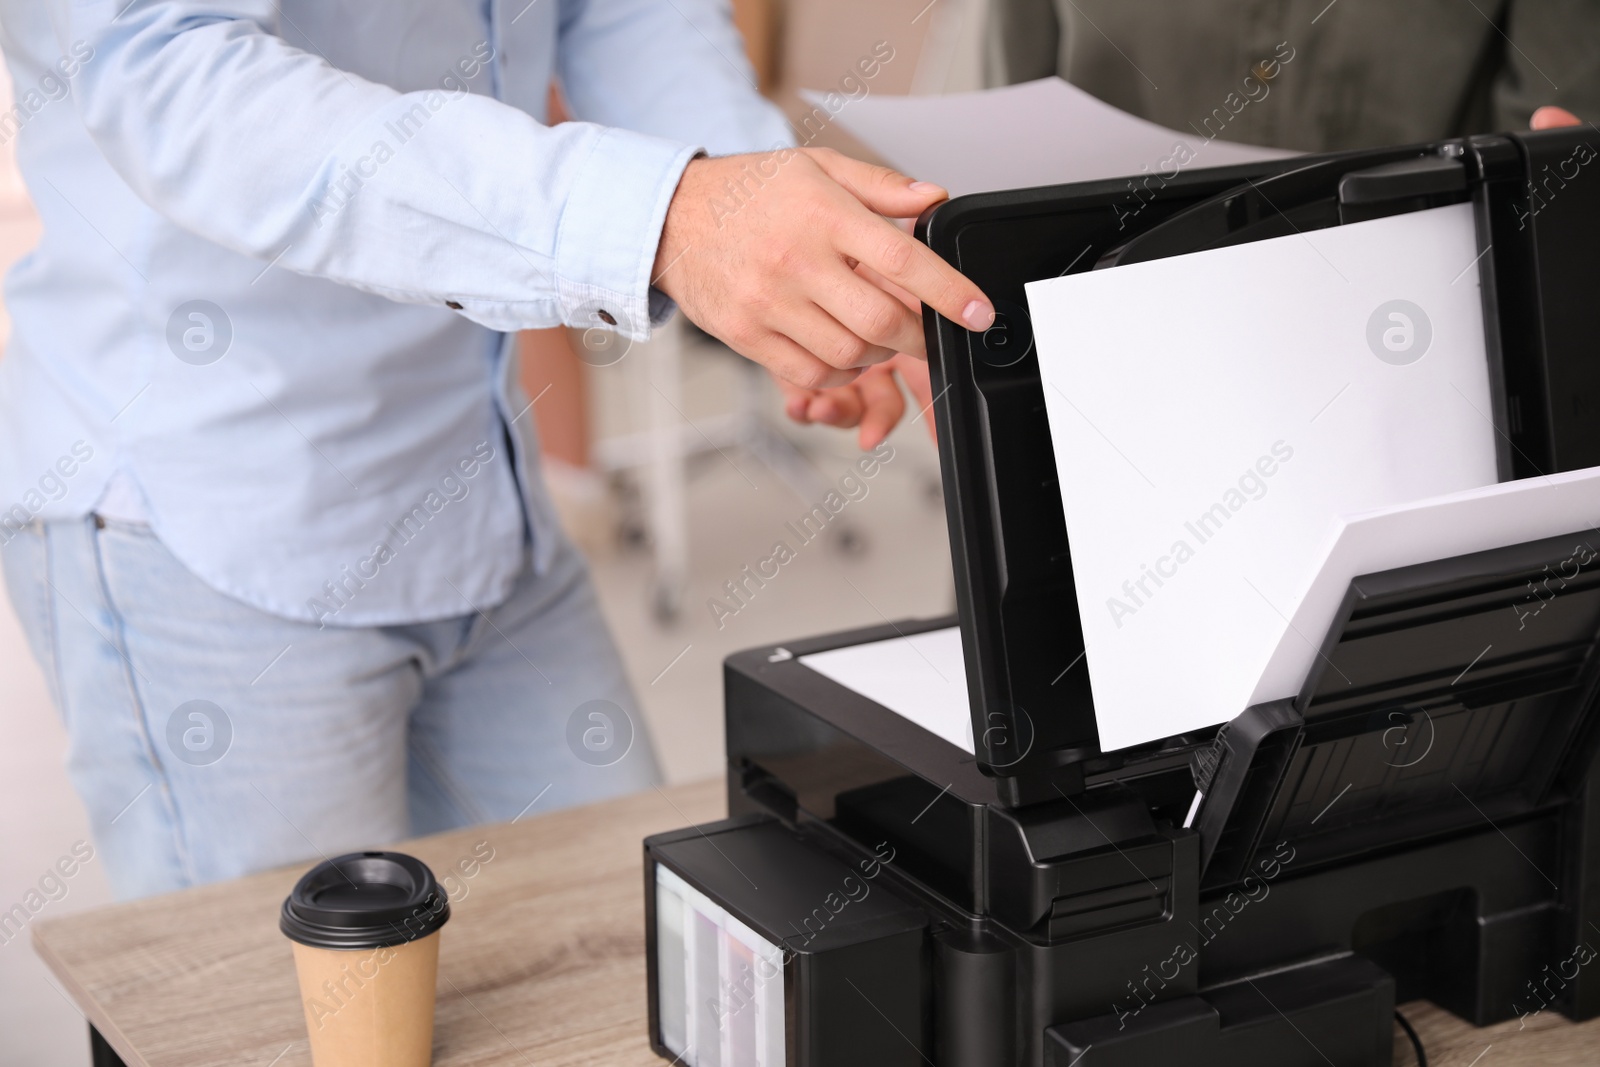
(879,896)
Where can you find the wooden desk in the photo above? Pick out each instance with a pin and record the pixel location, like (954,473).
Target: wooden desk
(542,961)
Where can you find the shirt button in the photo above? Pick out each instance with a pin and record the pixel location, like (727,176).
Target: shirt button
(452,305)
(606,317)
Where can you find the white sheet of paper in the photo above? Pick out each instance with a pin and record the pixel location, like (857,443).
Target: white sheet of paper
(1214,416)
(921,676)
(1037,133)
(1510,513)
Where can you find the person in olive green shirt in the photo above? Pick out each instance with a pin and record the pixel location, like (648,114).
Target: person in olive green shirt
(1349,74)
(1309,75)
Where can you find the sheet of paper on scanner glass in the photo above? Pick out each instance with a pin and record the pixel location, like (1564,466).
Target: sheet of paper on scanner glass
(1215,416)
(921,676)
(1041,132)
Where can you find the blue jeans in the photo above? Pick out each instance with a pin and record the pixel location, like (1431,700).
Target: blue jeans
(210,739)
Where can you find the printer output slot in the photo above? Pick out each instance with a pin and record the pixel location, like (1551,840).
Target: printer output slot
(1560,577)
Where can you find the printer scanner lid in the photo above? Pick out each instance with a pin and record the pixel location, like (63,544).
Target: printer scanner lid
(1032,708)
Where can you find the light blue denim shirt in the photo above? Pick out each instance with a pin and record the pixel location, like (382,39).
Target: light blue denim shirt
(282,242)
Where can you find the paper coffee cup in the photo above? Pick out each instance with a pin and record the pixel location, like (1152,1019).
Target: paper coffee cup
(365,928)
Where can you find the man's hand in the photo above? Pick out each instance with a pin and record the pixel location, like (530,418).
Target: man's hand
(762,251)
(872,402)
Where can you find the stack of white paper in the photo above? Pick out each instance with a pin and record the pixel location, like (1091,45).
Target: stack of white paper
(1038,133)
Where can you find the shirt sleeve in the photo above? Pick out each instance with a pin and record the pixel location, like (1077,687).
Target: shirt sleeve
(434,197)
(618,69)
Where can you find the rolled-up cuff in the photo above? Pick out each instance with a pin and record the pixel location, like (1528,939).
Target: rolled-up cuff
(610,230)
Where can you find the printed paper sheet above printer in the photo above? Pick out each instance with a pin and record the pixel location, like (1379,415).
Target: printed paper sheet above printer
(1041,132)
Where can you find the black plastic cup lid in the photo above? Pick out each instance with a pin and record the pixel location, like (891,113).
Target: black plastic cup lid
(364,900)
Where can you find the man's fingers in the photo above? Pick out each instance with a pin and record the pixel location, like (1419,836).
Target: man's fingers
(870,313)
(914,374)
(883,404)
(895,255)
(822,335)
(899,292)
(841,406)
(1550,117)
(795,399)
(884,191)
(910,264)
(792,364)
(837,407)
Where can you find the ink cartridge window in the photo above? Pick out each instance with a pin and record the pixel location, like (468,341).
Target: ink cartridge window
(741,922)
(720,996)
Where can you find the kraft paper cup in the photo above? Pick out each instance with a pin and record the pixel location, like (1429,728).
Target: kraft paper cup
(365,928)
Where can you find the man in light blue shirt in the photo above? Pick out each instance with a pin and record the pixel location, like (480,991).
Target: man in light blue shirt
(269,503)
